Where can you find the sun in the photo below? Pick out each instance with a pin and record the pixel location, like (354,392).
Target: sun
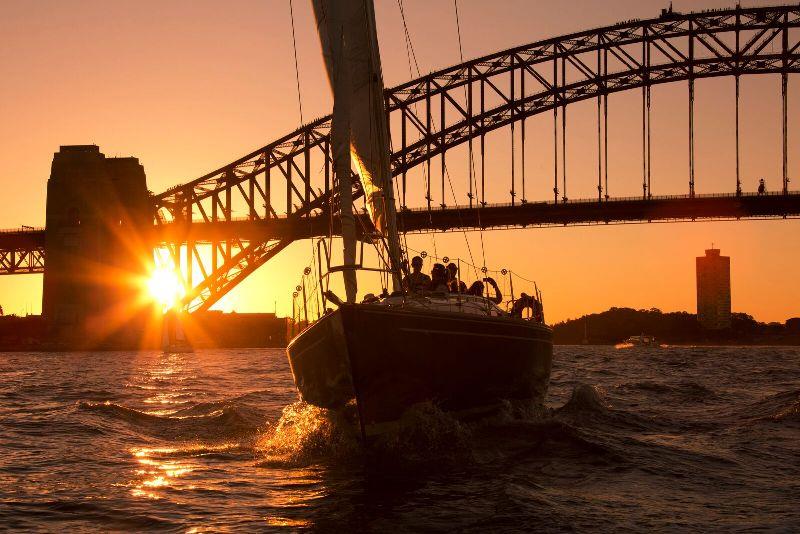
(165,287)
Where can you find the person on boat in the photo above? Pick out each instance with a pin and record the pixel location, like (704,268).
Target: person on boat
(438,278)
(454,285)
(416,280)
(477,289)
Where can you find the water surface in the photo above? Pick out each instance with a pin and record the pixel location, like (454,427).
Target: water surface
(676,438)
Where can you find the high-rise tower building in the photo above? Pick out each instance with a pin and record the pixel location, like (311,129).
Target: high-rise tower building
(714,290)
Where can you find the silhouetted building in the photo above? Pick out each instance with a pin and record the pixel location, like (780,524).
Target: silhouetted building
(714,290)
(98,250)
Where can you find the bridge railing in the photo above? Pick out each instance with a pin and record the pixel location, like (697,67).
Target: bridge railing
(245,218)
(22,230)
(614,199)
(637,198)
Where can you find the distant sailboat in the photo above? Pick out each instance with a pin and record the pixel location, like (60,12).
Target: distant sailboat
(173,336)
(386,354)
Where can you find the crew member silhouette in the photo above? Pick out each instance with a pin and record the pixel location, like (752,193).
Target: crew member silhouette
(454,285)
(477,289)
(416,280)
(438,278)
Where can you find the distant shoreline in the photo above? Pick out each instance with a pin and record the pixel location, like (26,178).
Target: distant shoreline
(685,345)
(611,327)
(615,325)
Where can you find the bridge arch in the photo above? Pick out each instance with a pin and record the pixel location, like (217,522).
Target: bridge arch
(460,104)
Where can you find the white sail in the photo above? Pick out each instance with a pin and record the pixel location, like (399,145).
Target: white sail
(350,46)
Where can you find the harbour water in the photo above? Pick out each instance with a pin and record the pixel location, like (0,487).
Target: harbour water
(650,439)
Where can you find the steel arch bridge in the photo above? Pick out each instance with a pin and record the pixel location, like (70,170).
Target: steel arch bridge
(254,207)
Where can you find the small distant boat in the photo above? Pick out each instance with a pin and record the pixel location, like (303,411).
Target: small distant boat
(639,341)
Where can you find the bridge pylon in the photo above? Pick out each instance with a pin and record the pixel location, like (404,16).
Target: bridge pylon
(98,249)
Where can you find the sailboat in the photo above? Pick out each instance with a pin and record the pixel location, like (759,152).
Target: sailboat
(173,336)
(389,353)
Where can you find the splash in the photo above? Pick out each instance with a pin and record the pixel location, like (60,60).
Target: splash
(305,434)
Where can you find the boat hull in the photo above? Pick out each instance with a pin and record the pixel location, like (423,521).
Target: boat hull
(388,359)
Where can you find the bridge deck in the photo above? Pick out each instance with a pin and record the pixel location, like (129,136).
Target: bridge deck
(18,248)
(573,212)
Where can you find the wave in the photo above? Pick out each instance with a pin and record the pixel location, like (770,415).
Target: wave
(782,407)
(225,449)
(212,421)
(585,399)
(684,390)
(29,516)
(588,408)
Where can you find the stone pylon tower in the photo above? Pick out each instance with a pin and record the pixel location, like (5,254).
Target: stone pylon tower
(98,249)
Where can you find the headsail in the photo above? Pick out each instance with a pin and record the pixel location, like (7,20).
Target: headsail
(350,46)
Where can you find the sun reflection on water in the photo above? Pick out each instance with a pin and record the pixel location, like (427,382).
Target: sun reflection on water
(160,471)
(168,468)
(199,434)
(277,521)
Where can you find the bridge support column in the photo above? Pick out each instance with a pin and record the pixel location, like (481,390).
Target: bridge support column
(98,249)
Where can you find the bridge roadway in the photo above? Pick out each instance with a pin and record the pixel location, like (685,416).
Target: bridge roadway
(494,216)
(573,212)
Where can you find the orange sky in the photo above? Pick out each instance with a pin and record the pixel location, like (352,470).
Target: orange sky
(187,86)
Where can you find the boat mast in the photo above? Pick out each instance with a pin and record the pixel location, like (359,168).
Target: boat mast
(350,45)
(331,29)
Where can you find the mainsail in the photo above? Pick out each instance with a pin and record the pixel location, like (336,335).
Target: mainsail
(349,41)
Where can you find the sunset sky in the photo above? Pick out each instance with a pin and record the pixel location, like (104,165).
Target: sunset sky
(187,86)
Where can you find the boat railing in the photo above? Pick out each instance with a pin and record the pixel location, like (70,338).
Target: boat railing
(314,295)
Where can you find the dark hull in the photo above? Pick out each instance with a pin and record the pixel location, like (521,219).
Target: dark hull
(387,359)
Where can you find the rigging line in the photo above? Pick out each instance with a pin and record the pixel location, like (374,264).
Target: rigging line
(488,270)
(406,39)
(396,186)
(458,29)
(409,43)
(458,211)
(472,175)
(411,54)
(299,104)
(296,67)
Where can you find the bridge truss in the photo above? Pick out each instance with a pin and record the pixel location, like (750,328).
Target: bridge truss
(292,177)
(22,251)
(284,191)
